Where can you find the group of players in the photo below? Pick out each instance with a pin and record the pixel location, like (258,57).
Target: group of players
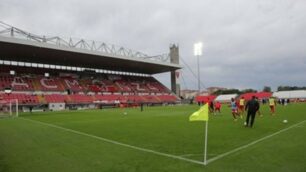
(252,107)
(214,107)
(240,106)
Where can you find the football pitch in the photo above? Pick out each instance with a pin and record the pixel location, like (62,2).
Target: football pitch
(157,139)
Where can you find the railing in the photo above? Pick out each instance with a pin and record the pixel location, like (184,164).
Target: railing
(94,46)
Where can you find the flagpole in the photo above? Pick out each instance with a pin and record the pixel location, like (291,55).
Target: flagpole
(205,146)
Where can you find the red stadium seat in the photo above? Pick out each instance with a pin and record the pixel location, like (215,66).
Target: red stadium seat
(104,87)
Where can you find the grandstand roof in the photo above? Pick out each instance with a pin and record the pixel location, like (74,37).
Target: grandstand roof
(226,97)
(290,94)
(22,46)
(28,51)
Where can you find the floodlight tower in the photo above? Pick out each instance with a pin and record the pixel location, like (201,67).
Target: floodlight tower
(198,52)
(175,75)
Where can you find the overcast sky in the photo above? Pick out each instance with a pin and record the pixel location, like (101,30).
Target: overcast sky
(247,43)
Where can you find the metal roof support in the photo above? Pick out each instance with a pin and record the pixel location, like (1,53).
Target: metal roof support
(80,44)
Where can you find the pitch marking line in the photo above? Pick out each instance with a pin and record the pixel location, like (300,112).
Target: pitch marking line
(199,154)
(160,153)
(115,142)
(252,143)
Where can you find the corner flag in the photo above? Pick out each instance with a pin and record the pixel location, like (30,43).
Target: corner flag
(201,114)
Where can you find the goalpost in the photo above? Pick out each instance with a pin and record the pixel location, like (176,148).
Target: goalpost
(9,108)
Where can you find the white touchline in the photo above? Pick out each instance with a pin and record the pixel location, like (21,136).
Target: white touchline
(160,153)
(199,154)
(252,143)
(115,142)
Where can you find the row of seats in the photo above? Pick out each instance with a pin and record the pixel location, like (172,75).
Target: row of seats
(104,88)
(18,83)
(167,98)
(83,99)
(22,98)
(39,83)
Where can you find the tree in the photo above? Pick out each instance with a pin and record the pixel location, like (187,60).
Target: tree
(266,89)
(289,88)
(249,90)
(227,91)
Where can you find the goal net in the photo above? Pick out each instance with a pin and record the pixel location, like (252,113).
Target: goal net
(9,108)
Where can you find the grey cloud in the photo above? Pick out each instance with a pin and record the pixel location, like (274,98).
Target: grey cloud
(239,36)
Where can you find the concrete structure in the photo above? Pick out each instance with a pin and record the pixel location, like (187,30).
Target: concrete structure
(175,74)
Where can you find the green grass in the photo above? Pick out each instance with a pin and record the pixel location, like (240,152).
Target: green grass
(31,146)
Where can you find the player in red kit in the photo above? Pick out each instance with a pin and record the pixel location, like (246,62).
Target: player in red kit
(218,107)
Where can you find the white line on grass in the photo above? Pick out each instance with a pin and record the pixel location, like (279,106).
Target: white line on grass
(252,143)
(199,154)
(115,142)
(160,153)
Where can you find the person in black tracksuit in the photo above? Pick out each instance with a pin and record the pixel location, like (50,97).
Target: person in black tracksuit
(251,107)
(141,106)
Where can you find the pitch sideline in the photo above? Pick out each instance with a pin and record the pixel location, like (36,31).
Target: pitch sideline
(252,143)
(160,153)
(115,142)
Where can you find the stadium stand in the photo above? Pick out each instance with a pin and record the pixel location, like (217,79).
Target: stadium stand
(80,99)
(205,99)
(47,72)
(72,84)
(23,99)
(259,95)
(49,84)
(17,83)
(55,98)
(167,98)
(70,87)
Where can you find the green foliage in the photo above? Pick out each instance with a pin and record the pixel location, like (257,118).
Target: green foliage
(266,89)
(249,90)
(234,91)
(290,88)
(33,147)
(227,91)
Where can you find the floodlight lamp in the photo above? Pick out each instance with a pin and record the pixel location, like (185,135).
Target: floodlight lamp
(198,49)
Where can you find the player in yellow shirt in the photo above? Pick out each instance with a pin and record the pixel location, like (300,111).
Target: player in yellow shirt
(241,106)
(258,111)
(272,104)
